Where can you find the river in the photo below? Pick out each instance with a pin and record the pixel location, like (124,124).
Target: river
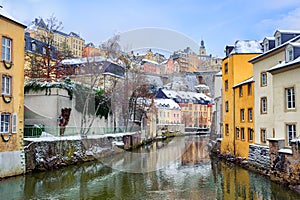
(176,168)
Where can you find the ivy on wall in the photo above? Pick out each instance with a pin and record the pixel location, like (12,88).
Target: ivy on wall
(96,101)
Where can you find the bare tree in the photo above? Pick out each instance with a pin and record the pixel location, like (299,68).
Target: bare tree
(112,46)
(44,61)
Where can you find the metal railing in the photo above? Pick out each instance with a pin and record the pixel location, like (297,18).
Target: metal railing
(35,131)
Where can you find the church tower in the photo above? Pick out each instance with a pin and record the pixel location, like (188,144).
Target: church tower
(202,50)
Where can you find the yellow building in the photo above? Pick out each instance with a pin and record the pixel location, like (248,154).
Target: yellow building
(12,92)
(244,117)
(61,40)
(235,70)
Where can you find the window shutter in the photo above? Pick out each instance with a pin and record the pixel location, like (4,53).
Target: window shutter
(14,123)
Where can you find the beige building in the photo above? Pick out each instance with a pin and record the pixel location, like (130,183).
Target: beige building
(270,113)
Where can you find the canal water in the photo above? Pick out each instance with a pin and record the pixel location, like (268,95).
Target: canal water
(176,168)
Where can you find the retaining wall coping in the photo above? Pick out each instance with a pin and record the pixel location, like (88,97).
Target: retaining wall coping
(275,139)
(259,145)
(285,151)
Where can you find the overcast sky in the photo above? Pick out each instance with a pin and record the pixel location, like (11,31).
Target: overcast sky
(218,22)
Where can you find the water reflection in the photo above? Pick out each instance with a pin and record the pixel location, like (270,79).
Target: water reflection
(188,174)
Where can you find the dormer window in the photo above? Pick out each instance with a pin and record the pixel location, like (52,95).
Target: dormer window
(289,54)
(278,40)
(33,47)
(266,46)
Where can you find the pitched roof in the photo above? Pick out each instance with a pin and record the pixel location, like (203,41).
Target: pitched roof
(284,65)
(166,103)
(249,80)
(5,14)
(274,49)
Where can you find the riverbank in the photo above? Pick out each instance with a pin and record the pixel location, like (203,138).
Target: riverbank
(47,153)
(281,168)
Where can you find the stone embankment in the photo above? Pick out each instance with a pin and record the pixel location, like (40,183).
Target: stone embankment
(48,153)
(281,164)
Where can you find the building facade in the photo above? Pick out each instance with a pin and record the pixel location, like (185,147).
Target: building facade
(62,41)
(235,70)
(268,107)
(243,115)
(12,160)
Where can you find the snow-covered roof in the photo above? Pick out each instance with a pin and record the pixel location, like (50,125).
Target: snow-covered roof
(5,14)
(246,46)
(270,38)
(185,95)
(76,61)
(288,31)
(202,86)
(274,49)
(295,44)
(166,103)
(150,61)
(249,80)
(284,65)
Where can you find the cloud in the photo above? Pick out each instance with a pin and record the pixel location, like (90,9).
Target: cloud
(291,20)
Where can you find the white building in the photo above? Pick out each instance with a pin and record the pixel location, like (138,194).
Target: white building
(268,101)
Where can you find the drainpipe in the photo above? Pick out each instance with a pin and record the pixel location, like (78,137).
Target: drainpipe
(234,129)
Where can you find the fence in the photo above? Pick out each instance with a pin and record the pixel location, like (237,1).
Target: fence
(34,131)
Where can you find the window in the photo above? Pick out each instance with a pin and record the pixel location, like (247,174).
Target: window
(263,79)
(5,122)
(249,89)
(263,135)
(6,49)
(242,115)
(290,98)
(266,46)
(250,134)
(278,40)
(241,91)
(33,47)
(6,85)
(243,133)
(237,132)
(263,105)
(226,85)
(226,129)
(44,50)
(226,106)
(250,115)
(289,54)
(291,132)
(226,68)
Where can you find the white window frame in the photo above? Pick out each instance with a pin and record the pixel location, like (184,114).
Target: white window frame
(266,46)
(290,98)
(242,115)
(5,122)
(289,53)
(6,85)
(263,79)
(278,39)
(6,49)
(290,133)
(264,105)
(250,114)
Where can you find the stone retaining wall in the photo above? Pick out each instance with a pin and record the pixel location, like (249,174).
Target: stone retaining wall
(259,156)
(50,153)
